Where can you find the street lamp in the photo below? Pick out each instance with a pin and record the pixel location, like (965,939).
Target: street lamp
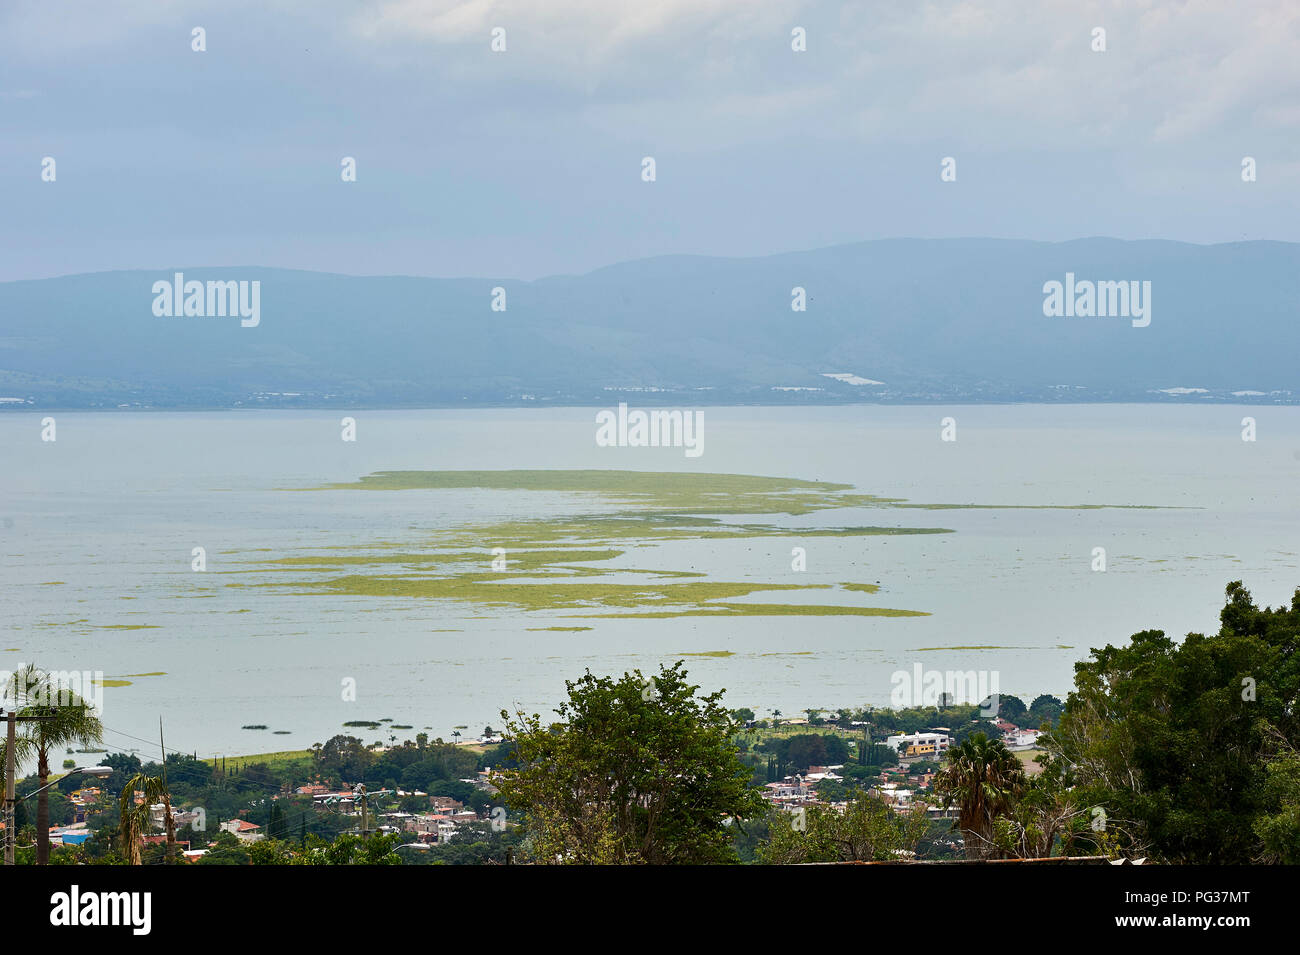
(99,772)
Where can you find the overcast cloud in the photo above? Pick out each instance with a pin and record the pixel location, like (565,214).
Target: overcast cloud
(526,163)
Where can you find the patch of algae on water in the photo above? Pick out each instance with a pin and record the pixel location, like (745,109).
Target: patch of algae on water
(770,610)
(680,492)
(505,590)
(548,561)
(1045,507)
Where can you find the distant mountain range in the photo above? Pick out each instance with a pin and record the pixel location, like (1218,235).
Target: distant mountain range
(890,320)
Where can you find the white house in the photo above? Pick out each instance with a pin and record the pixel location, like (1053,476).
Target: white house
(243,830)
(1021,739)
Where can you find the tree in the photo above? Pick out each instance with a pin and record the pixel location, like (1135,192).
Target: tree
(344,759)
(1278,828)
(135,819)
(1012,709)
(124,767)
(984,779)
(269,851)
(804,750)
(350,849)
(1050,811)
(1044,709)
(635,771)
(276,826)
(989,729)
(867,830)
(68,719)
(226,849)
(1187,741)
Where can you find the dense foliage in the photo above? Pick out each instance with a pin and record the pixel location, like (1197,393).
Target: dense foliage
(636,770)
(1192,745)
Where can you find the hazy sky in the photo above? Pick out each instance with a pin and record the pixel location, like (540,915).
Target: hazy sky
(528,162)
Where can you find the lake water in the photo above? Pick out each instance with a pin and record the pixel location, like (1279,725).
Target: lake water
(97,528)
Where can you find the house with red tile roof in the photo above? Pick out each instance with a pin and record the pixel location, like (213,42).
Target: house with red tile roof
(243,830)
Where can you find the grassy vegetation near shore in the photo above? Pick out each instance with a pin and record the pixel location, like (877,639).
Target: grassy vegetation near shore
(282,760)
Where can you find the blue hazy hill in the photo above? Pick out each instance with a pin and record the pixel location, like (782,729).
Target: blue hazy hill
(930,319)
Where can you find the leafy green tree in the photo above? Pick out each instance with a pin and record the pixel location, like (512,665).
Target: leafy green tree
(269,852)
(1049,815)
(1187,741)
(344,759)
(501,756)
(1012,709)
(1278,827)
(634,771)
(984,779)
(985,727)
(804,750)
(276,827)
(866,830)
(1044,709)
(350,849)
(474,843)
(226,849)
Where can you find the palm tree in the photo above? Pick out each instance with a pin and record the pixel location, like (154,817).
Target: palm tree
(135,818)
(68,719)
(984,779)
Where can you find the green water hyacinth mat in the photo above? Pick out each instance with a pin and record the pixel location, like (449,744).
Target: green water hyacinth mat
(551,564)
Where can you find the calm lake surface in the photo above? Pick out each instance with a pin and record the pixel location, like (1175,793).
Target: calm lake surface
(97,529)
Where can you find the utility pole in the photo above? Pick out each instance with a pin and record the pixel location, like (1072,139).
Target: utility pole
(10,743)
(362,799)
(167,800)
